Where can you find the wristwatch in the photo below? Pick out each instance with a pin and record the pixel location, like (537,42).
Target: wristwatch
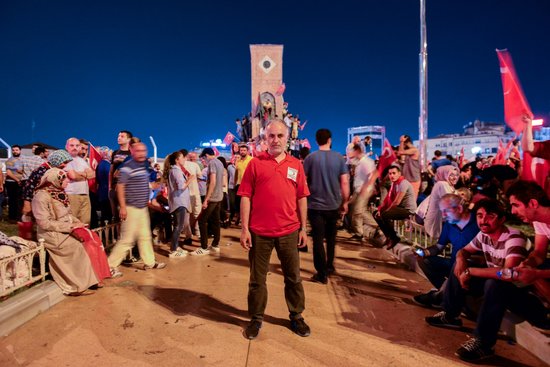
(467,272)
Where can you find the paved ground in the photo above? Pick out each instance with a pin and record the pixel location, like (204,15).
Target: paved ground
(192,313)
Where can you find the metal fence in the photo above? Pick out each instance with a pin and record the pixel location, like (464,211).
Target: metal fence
(17,271)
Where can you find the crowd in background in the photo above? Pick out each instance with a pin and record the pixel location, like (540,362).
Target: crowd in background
(467,205)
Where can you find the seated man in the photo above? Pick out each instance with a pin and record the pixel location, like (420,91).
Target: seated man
(400,203)
(503,249)
(530,203)
(459,229)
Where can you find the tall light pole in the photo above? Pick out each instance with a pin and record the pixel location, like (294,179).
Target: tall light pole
(423,71)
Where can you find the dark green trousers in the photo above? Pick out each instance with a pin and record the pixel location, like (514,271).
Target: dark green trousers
(259,255)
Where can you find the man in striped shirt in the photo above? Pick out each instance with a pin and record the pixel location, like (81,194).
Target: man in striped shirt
(133,197)
(503,249)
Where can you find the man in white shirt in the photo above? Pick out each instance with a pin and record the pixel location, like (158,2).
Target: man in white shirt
(79,172)
(196,204)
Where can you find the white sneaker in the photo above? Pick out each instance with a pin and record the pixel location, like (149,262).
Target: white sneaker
(177,253)
(200,252)
(115,273)
(214,248)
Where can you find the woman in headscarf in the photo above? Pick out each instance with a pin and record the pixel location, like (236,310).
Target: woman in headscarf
(446,179)
(70,266)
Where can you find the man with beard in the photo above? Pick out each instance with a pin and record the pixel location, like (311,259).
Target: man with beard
(14,174)
(503,249)
(118,157)
(78,172)
(274,215)
(243,160)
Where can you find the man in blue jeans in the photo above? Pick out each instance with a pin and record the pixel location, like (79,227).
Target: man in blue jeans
(503,249)
(459,229)
(328,181)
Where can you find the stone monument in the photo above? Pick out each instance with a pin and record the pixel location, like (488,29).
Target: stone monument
(267,78)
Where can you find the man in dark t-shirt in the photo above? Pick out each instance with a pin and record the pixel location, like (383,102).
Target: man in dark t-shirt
(119,156)
(328,180)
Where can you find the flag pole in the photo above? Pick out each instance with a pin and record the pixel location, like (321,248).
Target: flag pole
(423,76)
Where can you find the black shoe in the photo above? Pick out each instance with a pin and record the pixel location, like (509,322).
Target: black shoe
(303,249)
(392,243)
(188,241)
(252,330)
(441,320)
(300,327)
(425,300)
(317,279)
(474,351)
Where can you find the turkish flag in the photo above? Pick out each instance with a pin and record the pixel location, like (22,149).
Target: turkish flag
(500,158)
(515,103)
(535,169)
(228,138)
(281,89)
(94,158)
(461,159)
(386,158)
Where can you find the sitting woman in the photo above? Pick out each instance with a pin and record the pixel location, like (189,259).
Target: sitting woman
(70,266)
(446,179)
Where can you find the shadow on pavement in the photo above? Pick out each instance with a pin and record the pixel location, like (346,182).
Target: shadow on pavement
(186,302)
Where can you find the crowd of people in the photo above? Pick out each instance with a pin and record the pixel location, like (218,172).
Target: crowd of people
(273,196)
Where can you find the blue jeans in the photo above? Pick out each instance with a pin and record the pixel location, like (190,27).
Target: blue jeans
(436,269)
(182,221)
(323,225)
(498,295)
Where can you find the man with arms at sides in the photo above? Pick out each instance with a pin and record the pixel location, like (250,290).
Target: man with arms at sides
(118,157)
(78,172)
(274,215)
(328,180)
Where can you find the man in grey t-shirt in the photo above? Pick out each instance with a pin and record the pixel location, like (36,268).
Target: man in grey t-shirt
(209,219)
(328,181)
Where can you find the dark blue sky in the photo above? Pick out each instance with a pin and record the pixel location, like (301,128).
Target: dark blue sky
(180,71)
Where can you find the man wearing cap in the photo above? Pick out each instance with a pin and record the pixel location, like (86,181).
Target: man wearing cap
(58,159)
(79,172)
(240,166)
(209,219)
(274,215)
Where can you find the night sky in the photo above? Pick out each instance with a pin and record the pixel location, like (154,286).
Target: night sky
(180,71)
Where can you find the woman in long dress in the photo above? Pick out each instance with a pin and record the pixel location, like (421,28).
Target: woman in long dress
(446,177)
(70,266)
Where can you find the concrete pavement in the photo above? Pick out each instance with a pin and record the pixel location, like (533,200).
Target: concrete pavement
(192,313)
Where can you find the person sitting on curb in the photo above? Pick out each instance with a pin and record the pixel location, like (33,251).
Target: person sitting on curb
(503,249)
(400,203)
(459,229)
(530,203)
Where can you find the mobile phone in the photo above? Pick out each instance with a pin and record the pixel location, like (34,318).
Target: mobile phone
(419,252)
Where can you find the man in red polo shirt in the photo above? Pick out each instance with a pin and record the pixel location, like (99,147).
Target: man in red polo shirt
(274,215)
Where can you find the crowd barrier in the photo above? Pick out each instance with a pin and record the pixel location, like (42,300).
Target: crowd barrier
(17,271)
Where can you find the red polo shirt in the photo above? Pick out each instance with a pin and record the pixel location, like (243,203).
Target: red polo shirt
(274,189)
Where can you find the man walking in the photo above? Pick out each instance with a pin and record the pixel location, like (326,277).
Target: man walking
(274,215)
(328,180)
(133,197)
